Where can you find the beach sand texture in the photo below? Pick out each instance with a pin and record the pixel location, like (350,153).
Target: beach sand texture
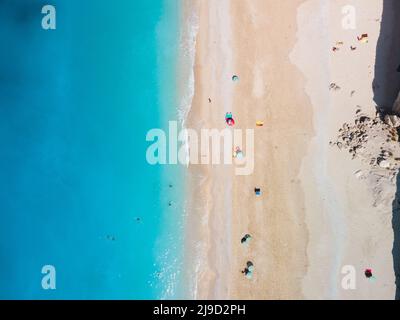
(314,216)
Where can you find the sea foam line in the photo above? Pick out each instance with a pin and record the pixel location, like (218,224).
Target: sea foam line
(187,51)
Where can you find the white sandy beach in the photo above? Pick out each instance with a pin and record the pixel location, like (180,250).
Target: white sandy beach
(344,226)
(314,216)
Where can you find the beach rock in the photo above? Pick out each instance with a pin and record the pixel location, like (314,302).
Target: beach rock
(396,106)
(364,119)
(358,174)
(392,120)
(384,164)
(386,154)
(386,119)
(374,140)
(334,86)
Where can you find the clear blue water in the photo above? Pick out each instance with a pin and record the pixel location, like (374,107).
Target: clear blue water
(75,106)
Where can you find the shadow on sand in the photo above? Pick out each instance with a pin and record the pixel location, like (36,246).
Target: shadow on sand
(386,84)
(386,88)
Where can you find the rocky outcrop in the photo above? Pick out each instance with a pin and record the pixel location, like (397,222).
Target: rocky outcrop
(392,120)
(396,106)
(375,141)
(372,140)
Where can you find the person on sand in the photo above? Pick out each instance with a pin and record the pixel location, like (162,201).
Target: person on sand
(246,271)
(368,273)
(238,153)
(229,119)
(245,239)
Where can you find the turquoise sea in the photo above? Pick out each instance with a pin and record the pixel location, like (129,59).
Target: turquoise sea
(76,191)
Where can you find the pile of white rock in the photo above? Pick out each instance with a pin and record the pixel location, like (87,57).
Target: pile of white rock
(374,140)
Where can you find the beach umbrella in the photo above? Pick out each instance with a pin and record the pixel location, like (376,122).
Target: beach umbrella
(368,273)
(229,119)
(245,239)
